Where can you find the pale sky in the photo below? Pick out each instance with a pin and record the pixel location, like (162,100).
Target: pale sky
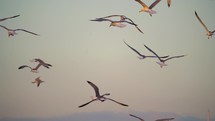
(81,50)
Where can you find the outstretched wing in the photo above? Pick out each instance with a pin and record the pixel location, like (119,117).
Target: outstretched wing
(117,102)
(174,57)
(24,66)
(142,3)
(101,19)
(26,31)
(112,16)
(154,4)
(153,52)
(86,103)
(4,27)
(95,88)
(165,119)
(201,22)
(136,117)
(134,50)
(9,18)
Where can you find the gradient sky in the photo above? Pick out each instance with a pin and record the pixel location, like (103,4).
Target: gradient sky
(81,50)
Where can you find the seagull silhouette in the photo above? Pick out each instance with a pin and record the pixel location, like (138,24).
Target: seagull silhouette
(35,70)
(209,33)
(141,56)
(12,32)
(3,19)
(102,98)
(162,62)
(38,81)
(146,8)
(122,18)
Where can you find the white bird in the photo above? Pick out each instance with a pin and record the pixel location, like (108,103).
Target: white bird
(148,9)
(38,81)
(141,56)
(209,33)
(162,62)
(3,19)
(168,3)
(102,98)
(12,32)
(122,18)
(141,119)
(35,70)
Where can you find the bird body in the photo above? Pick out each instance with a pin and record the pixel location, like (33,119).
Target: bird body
(38,81)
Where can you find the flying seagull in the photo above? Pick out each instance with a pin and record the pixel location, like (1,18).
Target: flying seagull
(122,18)
(162,62)
(146,8)
(3,19)
(168,3)
(209,33)
(141,56)
(35,70)
(38,81)
(12,32)
(137,117)
(102,98)
(165,119)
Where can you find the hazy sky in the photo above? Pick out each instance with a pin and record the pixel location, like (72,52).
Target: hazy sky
(81,50)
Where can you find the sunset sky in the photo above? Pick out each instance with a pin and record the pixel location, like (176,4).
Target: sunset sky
(81,50)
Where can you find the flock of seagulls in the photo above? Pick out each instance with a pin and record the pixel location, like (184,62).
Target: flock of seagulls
(122,22)
(35,70)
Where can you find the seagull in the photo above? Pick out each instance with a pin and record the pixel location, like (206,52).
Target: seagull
(209,33)
(38,81)
(165,119)
(137,117)
(3,19)
(122,18)
(141,56)
(168,3)
(162,62)
(12,32)
(148,9)
(41,63)
(102,98)
(35,70)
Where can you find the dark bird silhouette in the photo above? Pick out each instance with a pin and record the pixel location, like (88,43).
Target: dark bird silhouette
(102,98)
(38,81)
(141,56)
(162,62)
(209,33)
(35,70)
(122,18)
(12,32)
